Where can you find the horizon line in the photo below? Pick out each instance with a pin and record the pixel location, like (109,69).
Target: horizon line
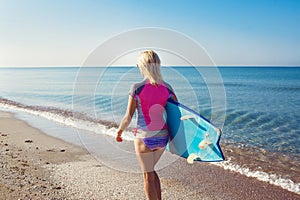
(70,66)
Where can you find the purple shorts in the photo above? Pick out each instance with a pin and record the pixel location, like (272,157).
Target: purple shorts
(156,142)
(153,139)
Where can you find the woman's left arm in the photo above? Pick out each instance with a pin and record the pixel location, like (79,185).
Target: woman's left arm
(127,118)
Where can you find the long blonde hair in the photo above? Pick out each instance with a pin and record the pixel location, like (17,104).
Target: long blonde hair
(149,64)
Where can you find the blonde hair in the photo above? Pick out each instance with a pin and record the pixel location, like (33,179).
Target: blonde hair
(149,64)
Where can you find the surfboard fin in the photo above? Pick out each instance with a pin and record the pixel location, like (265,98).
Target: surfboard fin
(203,144)
(191,158)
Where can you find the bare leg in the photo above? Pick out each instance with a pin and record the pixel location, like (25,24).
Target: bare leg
(149,185)
(157,154)
(147,159)
(152,185)
(157,185)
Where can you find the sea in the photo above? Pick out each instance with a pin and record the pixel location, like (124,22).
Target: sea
(257,108)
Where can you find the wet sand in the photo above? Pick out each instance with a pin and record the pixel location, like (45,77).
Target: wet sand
(35,165)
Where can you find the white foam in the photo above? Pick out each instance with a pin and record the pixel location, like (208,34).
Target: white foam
(72,122)
(262,176)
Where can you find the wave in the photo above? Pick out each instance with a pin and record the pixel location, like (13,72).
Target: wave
(87,123)
(68,118)
(270,130)
(273,179)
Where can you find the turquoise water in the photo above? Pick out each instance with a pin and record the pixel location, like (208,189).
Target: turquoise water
(258,111)
(262,103)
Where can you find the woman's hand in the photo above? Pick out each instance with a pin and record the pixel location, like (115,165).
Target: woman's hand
(119,138)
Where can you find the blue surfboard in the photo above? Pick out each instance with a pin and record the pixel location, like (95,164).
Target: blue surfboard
(191,135)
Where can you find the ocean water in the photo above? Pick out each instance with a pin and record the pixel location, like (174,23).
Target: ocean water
(256,107)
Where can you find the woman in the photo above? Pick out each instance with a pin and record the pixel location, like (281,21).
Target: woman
(149,98)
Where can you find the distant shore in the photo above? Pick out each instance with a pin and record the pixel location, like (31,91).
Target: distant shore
(35,165)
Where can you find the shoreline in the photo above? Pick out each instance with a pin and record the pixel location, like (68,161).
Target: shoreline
(275,167)
(36,165)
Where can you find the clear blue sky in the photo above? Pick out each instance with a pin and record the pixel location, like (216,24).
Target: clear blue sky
(64,32)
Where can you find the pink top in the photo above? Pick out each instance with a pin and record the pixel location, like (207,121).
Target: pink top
(151,102)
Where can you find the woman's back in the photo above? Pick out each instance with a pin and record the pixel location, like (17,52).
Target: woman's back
(151,100)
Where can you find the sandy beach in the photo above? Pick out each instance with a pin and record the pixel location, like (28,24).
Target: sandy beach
(35,165)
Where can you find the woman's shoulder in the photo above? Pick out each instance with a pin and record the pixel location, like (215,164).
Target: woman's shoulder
(168,86)
(137,87)
(139,84)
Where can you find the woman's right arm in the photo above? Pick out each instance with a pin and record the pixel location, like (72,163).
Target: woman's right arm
(127,118)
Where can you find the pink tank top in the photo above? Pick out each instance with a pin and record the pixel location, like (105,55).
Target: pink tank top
(151,102)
